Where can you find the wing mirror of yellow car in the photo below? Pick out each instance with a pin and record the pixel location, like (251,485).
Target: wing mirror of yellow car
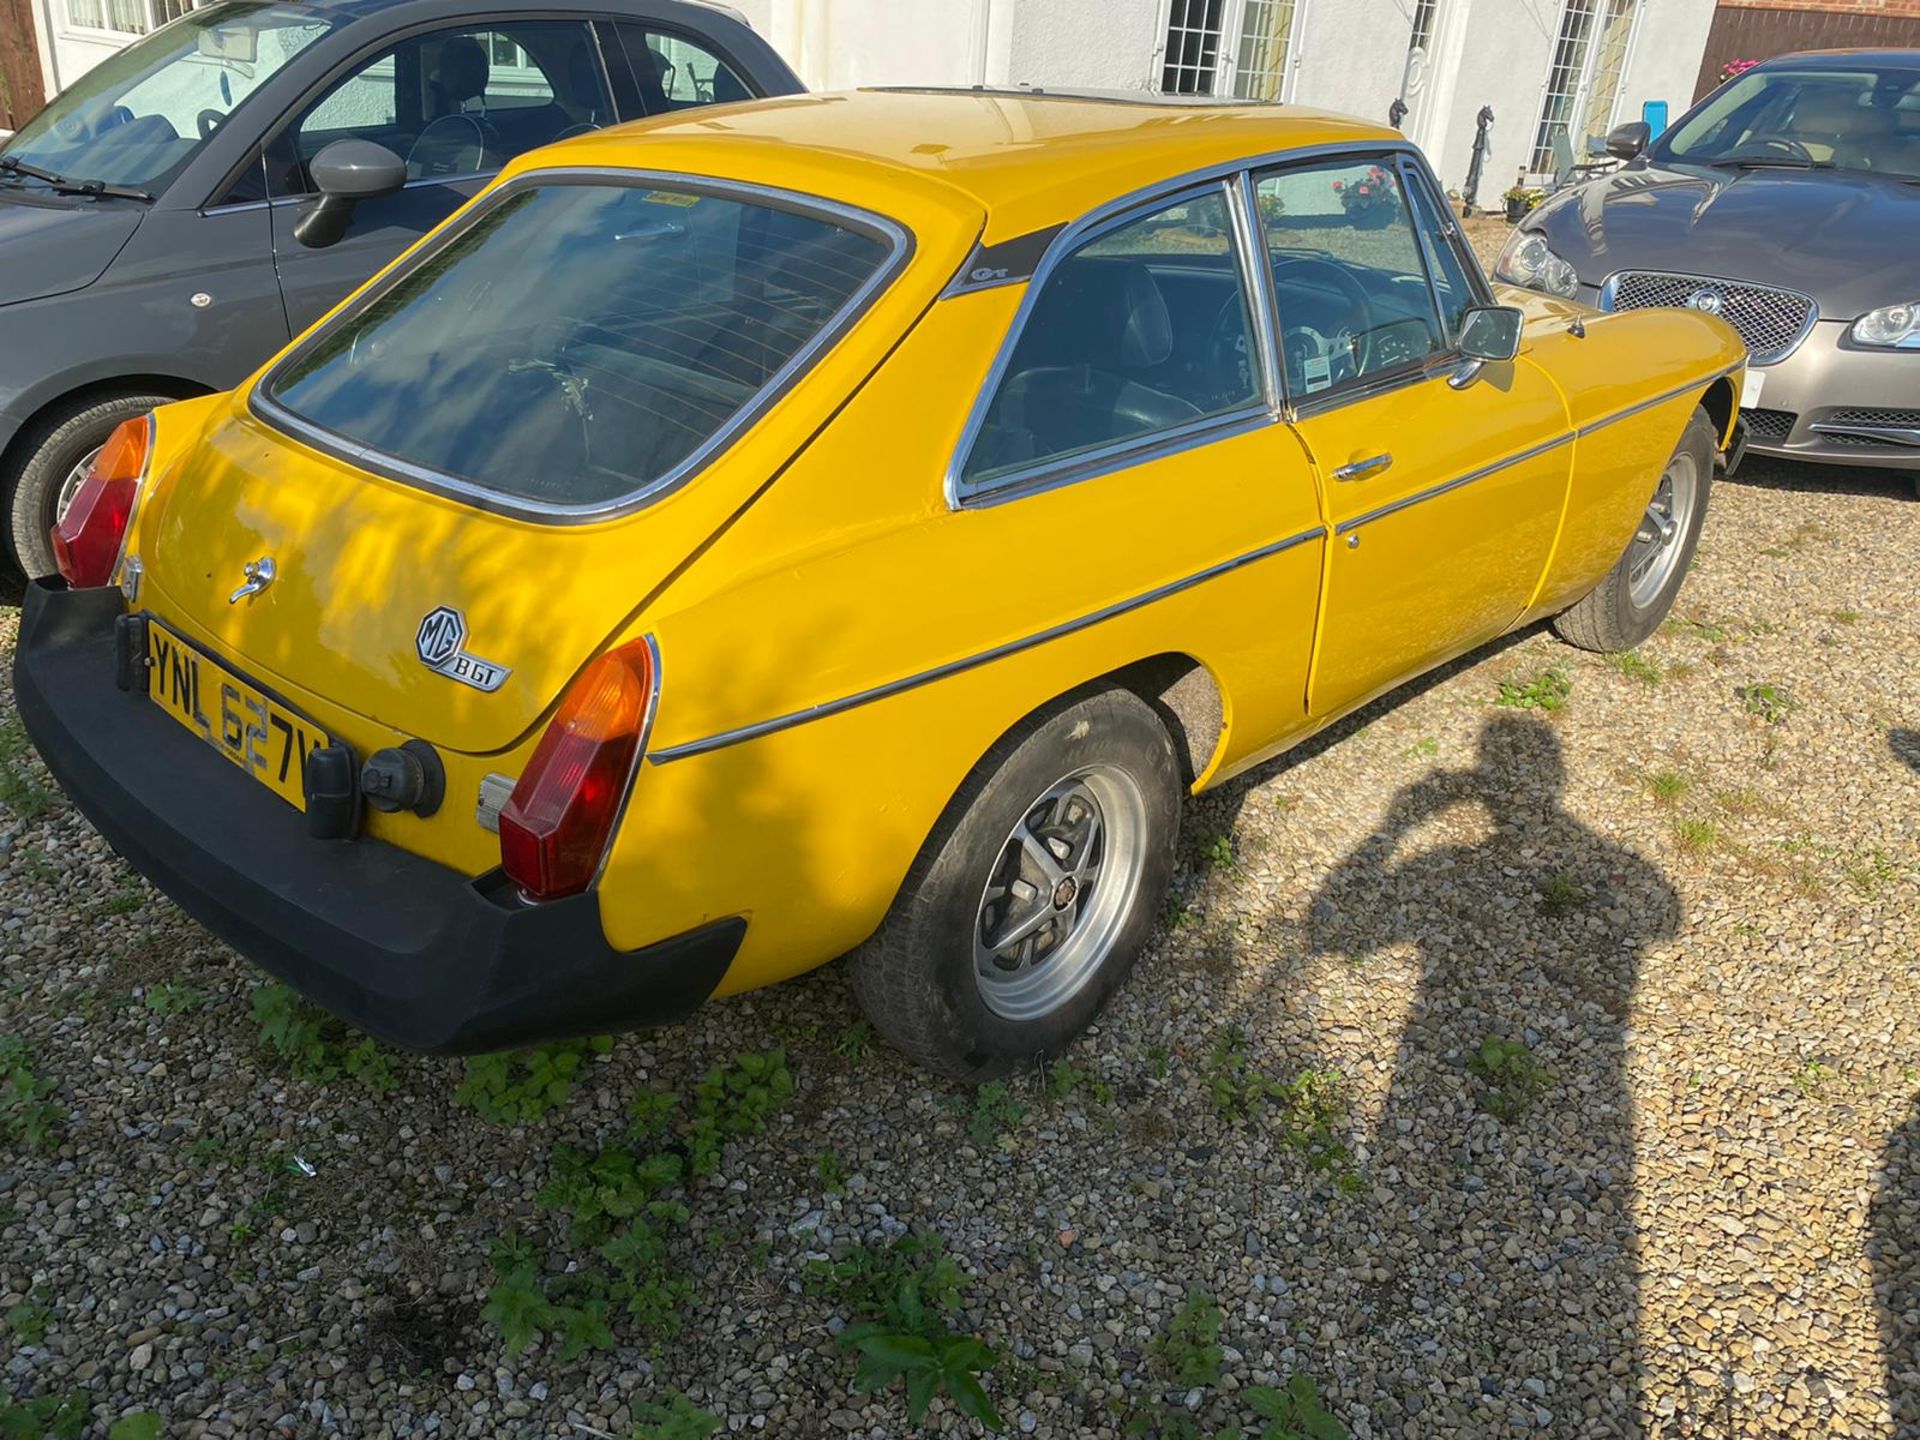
(1488,334)
(345,173)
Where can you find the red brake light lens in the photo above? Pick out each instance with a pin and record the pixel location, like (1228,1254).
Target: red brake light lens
(555,827)
(88,539)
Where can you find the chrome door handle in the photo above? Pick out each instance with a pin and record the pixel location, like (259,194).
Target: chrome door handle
(1364,468)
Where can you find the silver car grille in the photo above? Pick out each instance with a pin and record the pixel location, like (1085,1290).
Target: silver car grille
(1773,322)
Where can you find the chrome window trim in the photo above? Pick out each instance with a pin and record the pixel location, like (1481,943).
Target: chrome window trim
(721,739)
(261,401)
(1398,377)
(1056,470)
(281,202)
(1143,200)
(1244,206)
(1062,470)
(1610,285)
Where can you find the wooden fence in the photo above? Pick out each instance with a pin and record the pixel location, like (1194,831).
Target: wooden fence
(1744,32)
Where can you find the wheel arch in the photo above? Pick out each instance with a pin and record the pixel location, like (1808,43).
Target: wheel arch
(1721,404)
(75,398)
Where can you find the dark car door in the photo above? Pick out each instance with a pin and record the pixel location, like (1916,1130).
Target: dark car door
(456,104)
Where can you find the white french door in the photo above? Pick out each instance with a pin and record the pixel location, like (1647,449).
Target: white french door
(1244,49)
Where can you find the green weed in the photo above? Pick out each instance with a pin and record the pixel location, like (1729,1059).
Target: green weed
(1293,1413)
(855,1043)
(830,1172)
(29,1320)
(1424,748)
(1064,1078)
(677,1418)
(1846,617)
(312,1044)
(167,998)
(1696,835)
(1561,893)
(1219,851)
(995,1112)
(1309,1110)
(1546,691)
(1510,1078)
(512,1087)
(27,1117)
(735,1099)
(1767,702)
(1811,1077)
(1190,1349)
(141,1425)
(45,1417)
(20,792)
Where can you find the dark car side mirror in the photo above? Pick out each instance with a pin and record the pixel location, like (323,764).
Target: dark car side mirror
(1488,334)
(1625,142)
(346,172)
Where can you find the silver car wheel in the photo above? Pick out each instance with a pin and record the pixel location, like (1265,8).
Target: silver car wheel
(1662,535)
(70,486)
(1059,893)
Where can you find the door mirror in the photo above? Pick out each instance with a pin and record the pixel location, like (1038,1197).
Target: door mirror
(347,172)
(1625,142)
(1492,332)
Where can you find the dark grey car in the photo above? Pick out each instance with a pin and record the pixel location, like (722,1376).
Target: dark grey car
(1788,203)
(148,215)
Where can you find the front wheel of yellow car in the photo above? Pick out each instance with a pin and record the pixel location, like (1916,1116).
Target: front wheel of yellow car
(1033,897)
(1628,604)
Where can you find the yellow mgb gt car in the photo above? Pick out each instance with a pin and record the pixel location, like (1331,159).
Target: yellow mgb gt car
(846,523)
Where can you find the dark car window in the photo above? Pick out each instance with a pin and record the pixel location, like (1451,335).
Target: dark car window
(1348,276)
(675,73)
(1846,118)
(139,116)
(579,342)
(1142,329)
(457,102)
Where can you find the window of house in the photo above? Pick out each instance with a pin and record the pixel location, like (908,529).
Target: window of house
(1349,280)
(1141,330)
(1237,48)
(1583,80)
(457,102)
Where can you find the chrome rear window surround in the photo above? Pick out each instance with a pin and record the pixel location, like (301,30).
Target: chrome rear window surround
(900,247)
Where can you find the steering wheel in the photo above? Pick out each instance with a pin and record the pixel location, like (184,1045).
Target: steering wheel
(1357,325)
(1778,144)
(1228,359)
(208,121)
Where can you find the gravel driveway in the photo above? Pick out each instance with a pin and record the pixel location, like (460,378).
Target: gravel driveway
(1545,1067)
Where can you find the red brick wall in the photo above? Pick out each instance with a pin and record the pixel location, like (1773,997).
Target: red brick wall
(1762,29)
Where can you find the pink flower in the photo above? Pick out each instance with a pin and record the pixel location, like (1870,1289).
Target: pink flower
(1365,191)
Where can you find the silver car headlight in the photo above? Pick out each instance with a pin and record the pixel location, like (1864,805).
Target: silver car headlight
(1528,260)
(1891,327)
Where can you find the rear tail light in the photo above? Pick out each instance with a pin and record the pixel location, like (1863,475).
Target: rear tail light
(90,538)
(555,827)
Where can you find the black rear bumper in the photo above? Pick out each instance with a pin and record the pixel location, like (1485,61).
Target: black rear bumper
(407,949)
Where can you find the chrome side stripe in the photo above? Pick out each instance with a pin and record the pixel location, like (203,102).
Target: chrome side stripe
(998,652)
(1454,484)
(1531,452)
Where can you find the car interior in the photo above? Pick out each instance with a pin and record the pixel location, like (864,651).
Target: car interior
(1867,121)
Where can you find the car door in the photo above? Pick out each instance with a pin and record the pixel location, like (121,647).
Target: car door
(1444,497)
(456,104)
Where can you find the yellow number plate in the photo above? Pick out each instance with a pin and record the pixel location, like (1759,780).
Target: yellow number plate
(253,731)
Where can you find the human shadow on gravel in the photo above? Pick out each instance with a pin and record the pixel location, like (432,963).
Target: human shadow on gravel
(1894,1244)
(1905,745)
(1505,1152)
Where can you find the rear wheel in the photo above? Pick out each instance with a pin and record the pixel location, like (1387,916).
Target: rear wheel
(52,461)
(1034,896)
(1628,605)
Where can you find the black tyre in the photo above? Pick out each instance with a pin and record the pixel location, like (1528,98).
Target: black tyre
(52,460)
(1034,895)
(1629,604)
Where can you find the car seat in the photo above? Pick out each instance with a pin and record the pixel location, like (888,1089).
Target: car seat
(455,142)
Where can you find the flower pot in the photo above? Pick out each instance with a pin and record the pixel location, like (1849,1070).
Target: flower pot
(1517,208)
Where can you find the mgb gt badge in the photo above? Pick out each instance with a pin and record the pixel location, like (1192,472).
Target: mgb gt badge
(438,642)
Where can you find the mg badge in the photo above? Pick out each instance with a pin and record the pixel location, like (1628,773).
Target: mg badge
(438,642)
(1706,300)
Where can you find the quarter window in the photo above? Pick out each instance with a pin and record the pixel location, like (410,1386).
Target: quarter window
(1348,277)
(674,73)
(1142,329)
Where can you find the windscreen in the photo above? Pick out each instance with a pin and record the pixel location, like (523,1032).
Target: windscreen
(1845,118)
(578,343)
(138,117)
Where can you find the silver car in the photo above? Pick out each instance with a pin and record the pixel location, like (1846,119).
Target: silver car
(1787,203)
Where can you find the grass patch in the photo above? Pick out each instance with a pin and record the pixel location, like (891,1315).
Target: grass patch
(1424,748)
(1546,691)
(1846,617)
(1668,786)
(1698,836)
(20,791)
(1561,893)
(1635,666)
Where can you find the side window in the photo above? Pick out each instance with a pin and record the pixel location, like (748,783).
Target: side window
(1348,278)
(1141,329)
(456,102)
(675,73)
(1451,284)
